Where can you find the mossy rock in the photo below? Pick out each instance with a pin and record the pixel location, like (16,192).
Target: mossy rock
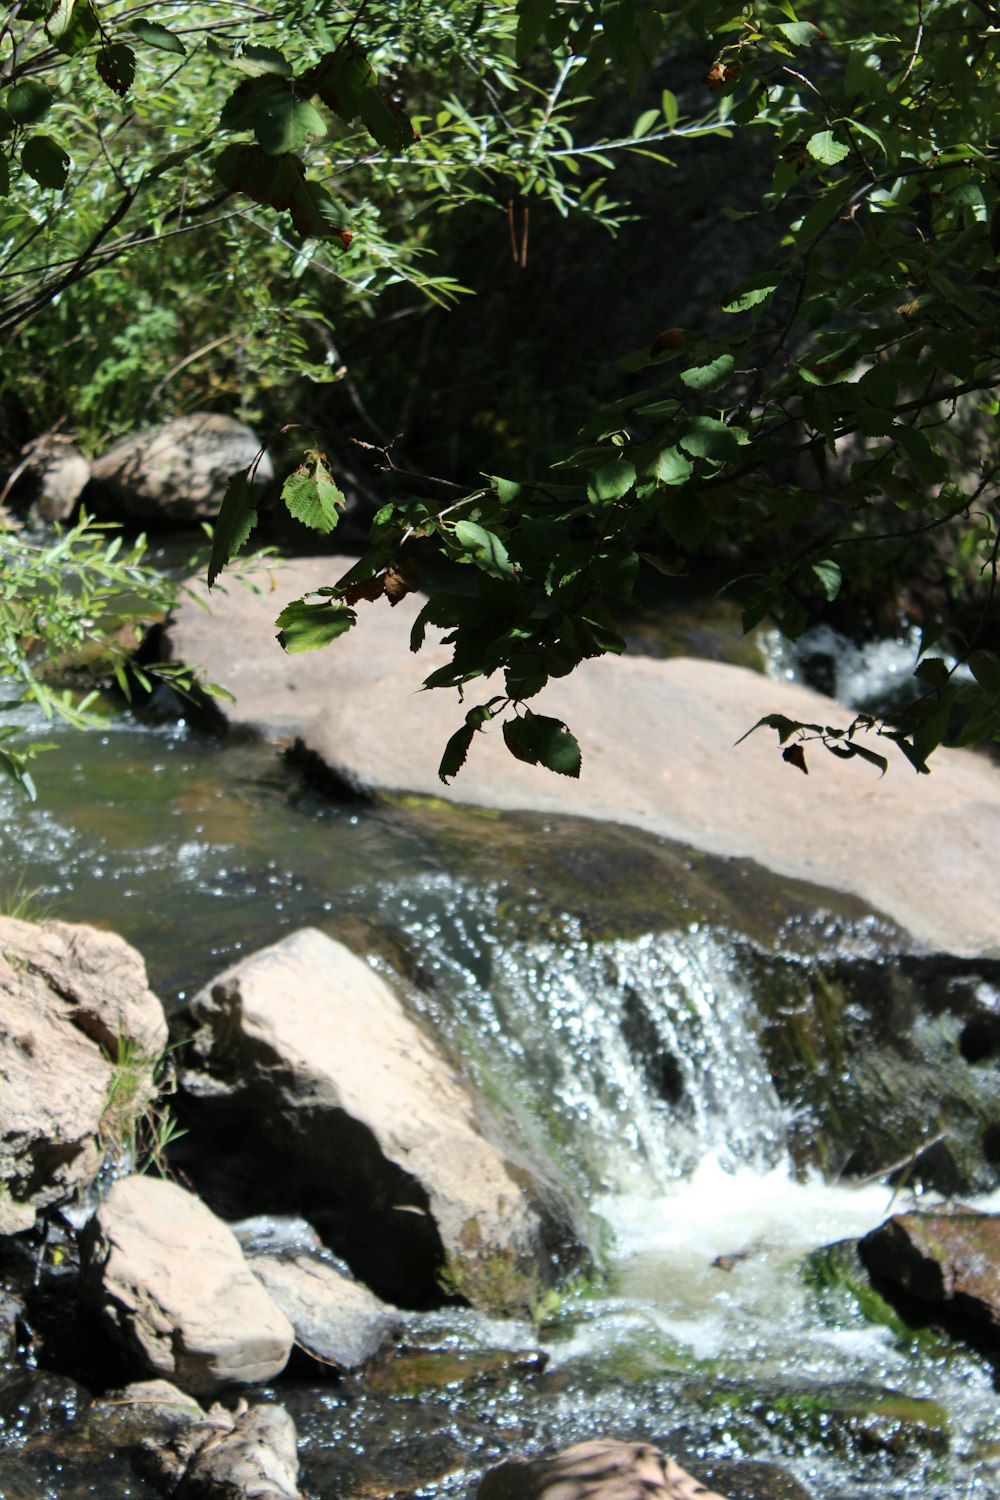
(844,1292)
(414,1372)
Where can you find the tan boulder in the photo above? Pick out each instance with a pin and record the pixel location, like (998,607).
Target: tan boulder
(178,471)
(80,1034)
(660,752)
(336,1319)
(603,1469)
(171,1283)
(373,1124)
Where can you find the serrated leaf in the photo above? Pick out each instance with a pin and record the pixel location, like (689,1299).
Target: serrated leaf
(489,551)
(281,182)
(455,753)
(829,576)
(257,60)
(59,19)
(27,102)
(540,741)
(611,482)
(155,35)
(45,160)
(707,437)
(236,520)
(115,66)
(672,466)
(799,33)
(307,627)
(753,297)
(985,668)
(4,177)
(387,121)
(933,670)
(311,496)
(342,79)
(79,31)
(711,376)
(824,147)
(282,121)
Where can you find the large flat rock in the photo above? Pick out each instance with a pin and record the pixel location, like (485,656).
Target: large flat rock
(659,753)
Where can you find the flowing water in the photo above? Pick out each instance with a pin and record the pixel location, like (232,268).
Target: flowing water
(592,983)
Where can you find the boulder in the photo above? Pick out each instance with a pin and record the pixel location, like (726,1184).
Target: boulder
(256,1459)
(948,1260)
(602,1469)
(660,752)
(335,1319)
(80,1034)
(344,1105)
(171,1283)
(57,474)
(176,473)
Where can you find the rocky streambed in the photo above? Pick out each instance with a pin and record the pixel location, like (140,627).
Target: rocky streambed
(483,1132)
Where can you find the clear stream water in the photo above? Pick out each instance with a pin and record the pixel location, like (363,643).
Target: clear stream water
(199,850)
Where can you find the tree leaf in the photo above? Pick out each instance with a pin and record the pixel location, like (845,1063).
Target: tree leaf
(455,753)
(115,66)
(27,102)
(386,121)
(829,576)
(490,553)
(311,496)
(236,520)
(672,466)
(540,741)
(282,121)
(306,627)
(160,37)
(611,482)
(45,160)
(707,437)
(711,376)
(825,147)
(796,756)
(4,177)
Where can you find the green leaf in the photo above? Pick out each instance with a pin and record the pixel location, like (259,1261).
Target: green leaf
(933,670)
(4,177)
(707,437)
(532,18)
(799,33)
(281,182)
(752,297)
(115,66)
(670,107)
(488,550)
(45,160)
(825,147)
(27,102)
(311,496)
(59,19)
(829,576)
(611,482)
(236,520)
(155,35)
(282,121)
(257,60)
(672,466)
(711,376)
(543,742)
(985,668)
(307,627)
(79,30)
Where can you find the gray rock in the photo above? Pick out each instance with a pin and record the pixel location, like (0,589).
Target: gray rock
(255,1460)
(371,1123)
(177,472)
(170,1280)
(75,1014)
(339,1321)
(602,1469)
(948,1259)
(58,474)
(659,753)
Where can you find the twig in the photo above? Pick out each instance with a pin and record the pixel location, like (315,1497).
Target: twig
(904,1161)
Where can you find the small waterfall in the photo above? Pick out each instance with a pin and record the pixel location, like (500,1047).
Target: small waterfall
(634,1057)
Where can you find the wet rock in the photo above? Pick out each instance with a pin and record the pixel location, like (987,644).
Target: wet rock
(159,1425)
(749,1479)
(177,472)
(57,474)
(172,1286)
(599,1470)
(357,708)
(80,1034)
(366,1127)
(11,1310)
(33,1403)
(255,1460)
(948,1260)
(335,1319)
(411,1372)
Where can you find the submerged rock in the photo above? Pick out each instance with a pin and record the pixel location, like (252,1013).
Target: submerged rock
(171,1283)
(365,1127)
(603,1469)
(947,1260)
(80,1035)
(177,472)
(255,1460)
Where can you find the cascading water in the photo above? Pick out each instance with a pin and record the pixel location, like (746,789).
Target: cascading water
(637,1053)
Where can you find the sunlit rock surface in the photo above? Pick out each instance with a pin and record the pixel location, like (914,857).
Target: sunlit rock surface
(659,752)
(80,1033)
(171,1283)
(600,1470)
(366,1125)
